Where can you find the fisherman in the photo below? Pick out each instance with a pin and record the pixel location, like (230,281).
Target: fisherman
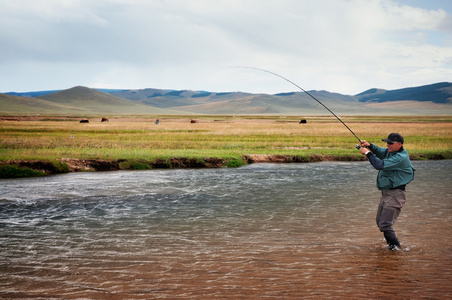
(394,173)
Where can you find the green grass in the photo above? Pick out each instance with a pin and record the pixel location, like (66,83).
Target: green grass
(12,171)
(215,136)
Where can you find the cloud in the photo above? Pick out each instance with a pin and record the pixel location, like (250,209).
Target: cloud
(342,46)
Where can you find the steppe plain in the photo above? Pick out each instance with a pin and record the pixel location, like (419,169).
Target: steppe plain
(59,144)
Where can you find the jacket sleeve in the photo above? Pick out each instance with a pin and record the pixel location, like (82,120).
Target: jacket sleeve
(394,162)
(378,151)
(375,161)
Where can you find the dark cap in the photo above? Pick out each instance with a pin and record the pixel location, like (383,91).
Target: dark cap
(394,137)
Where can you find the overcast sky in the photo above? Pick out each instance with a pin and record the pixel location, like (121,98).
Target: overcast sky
(344,46)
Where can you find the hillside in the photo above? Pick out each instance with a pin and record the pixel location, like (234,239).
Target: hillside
(435,99)
(27,105)
(75,101)
(32,94)
(83,95)
(436,93)
(295,103)
(203,102)
(96,101)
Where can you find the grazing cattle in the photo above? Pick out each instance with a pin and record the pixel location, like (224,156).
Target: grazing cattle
(84,121)
(194,121)
(157,122)
(105,120)
(303,121)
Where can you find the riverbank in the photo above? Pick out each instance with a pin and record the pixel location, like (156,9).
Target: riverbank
(51,145)
(31,168)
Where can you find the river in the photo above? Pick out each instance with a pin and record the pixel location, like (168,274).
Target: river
(277,231)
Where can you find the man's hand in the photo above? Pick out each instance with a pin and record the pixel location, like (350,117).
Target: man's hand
(364,151)
(365,144)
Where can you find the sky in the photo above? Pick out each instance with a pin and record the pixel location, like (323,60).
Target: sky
(342,46)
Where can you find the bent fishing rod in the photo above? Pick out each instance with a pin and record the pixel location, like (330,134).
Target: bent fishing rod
(273,73)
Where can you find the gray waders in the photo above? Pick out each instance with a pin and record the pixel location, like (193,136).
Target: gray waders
(391,203)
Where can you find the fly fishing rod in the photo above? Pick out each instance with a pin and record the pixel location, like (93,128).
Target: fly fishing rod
(273,73)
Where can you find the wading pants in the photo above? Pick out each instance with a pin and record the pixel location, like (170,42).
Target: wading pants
(391,203)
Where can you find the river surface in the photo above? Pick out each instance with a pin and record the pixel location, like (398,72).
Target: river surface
(276,231)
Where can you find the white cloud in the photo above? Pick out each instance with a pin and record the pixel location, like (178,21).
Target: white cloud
(342,46)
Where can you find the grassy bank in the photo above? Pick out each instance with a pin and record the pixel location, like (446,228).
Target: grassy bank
(134,143)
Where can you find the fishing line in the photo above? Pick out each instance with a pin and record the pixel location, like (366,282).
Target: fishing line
(270,72)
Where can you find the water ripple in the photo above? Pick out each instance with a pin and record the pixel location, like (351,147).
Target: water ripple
(264,230)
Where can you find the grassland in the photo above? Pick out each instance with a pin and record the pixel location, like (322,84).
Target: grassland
(137,143)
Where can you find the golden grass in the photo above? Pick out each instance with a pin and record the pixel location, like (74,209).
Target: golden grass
(213,136)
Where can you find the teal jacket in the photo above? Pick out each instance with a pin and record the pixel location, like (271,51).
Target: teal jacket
(394,168)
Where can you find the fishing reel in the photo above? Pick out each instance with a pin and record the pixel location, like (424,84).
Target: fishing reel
(357,146)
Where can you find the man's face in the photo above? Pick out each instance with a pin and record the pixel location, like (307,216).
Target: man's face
(394,146)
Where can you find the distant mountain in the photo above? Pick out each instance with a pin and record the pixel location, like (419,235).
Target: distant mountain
(26,105)
(77,100)
(32,94)
(202,102)
(84,97)
(436,93)
(42,93)
(423,100)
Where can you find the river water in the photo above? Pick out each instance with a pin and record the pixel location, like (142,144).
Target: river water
(278,231)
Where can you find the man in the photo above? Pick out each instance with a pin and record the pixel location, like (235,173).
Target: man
(394,173)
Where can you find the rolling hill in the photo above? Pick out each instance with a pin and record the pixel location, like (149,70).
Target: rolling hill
(27,105)
(436,93)
(434,99)
(299,103)
(78,100)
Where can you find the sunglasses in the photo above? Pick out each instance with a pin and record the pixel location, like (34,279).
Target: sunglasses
(389,143)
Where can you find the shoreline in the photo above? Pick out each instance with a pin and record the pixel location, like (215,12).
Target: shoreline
(32,168)
(46,145)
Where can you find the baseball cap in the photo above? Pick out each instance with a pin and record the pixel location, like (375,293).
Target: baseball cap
(393,137)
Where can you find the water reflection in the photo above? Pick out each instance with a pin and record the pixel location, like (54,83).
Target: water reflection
(264,230)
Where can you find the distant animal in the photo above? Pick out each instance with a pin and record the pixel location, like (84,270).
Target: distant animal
(194,121)
(157,122)
(303,121)
(84,121)
(105,120)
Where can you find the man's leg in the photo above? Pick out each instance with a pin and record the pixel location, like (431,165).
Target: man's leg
(392,239)
(387,218)
(391,203)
